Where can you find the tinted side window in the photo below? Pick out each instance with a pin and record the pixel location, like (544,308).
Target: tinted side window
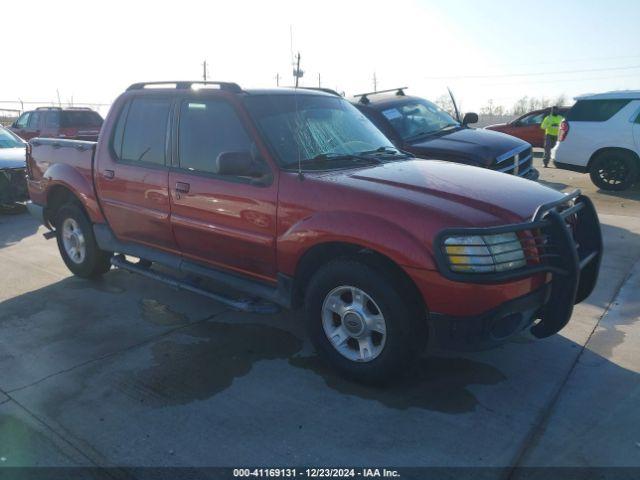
(52,120)
(208,128)
(595,110)
(533,119)
(145,131)
(23,120)
(81,119)
(638,118)
(34,121)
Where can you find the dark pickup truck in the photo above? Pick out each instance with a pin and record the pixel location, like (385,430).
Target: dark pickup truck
(423,129)
(295,198)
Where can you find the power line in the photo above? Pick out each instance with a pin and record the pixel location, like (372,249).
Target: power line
(631,67)
(608,77)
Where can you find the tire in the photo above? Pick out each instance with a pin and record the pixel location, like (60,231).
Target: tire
(614,171)
(77,243)
(333,288)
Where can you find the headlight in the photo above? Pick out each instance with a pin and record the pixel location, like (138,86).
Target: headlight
(484,254)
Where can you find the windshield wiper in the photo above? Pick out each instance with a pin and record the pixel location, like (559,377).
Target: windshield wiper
(385,150)
(334,157)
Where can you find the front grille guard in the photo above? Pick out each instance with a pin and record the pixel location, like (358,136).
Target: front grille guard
(562,238)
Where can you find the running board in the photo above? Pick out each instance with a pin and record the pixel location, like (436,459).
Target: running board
(243,305)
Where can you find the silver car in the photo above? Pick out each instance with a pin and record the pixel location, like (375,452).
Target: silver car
(13,184)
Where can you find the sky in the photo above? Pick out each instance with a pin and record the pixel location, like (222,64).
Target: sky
(90,51)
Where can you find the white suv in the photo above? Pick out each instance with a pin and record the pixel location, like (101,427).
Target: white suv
(601,136)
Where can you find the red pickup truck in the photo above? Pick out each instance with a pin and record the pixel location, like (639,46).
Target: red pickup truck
(292,196)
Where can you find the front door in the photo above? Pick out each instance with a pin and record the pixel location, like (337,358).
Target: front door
(32,129)
(222,220)
(132,173)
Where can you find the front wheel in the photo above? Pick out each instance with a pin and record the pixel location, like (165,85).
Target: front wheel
(614,171)
(360,322)
(77,243)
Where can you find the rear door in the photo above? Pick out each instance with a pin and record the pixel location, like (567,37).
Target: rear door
(132,173)
(51,124)
(224,221)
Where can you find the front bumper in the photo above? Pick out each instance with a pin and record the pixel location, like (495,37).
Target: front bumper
(563,240)
(13,186)
(490,329)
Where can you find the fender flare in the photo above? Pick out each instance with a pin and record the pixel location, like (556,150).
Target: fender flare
(69,177)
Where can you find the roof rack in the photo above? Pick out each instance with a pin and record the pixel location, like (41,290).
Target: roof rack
(79,108)
(49,108)
(183,85)
(319,89)
(363,96)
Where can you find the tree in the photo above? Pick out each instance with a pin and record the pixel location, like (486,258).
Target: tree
(445,103)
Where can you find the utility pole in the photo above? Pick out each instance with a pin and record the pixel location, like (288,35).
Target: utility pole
(375,82)
(204,70)
(319,83)
(277,79)
(297,73)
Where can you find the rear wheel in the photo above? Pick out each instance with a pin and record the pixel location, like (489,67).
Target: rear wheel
(360,322)
(77,243)
(614,171)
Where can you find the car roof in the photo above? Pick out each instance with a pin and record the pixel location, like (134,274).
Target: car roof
(613,95)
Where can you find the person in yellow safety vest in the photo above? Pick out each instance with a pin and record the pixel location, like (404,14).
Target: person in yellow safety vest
(550,125)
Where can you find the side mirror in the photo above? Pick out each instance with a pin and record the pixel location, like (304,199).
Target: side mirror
(470,118)
(239,164)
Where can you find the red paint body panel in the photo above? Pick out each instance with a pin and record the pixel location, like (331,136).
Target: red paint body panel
(65,167)
(395,209)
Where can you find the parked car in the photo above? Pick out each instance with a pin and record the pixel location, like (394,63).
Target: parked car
(53,122)
(420,127)
(13,185)
(527,126)
(601,136)
(293,196)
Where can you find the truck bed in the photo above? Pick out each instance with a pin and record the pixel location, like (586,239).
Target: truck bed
(45,153)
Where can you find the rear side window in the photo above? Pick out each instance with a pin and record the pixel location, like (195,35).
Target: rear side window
(80,119)
(595,110)
(34,121)
(208,128)
(52,120)
(141,133)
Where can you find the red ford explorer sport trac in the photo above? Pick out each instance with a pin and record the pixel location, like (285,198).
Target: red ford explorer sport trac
(295,198)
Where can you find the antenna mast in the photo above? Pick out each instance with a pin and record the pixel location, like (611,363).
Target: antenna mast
(204,70)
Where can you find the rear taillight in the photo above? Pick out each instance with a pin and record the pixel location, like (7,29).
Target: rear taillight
(564,131)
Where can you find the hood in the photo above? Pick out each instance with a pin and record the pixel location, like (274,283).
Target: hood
(478,145)
(461,195)
(13,157)
(496,125)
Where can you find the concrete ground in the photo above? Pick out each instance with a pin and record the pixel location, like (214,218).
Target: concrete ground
(128,372)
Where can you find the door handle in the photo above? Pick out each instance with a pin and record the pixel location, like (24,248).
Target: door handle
(182,187)
(109,174)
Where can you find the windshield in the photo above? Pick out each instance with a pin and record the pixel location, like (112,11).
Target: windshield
(9,140)
(305,127)
(418,117)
